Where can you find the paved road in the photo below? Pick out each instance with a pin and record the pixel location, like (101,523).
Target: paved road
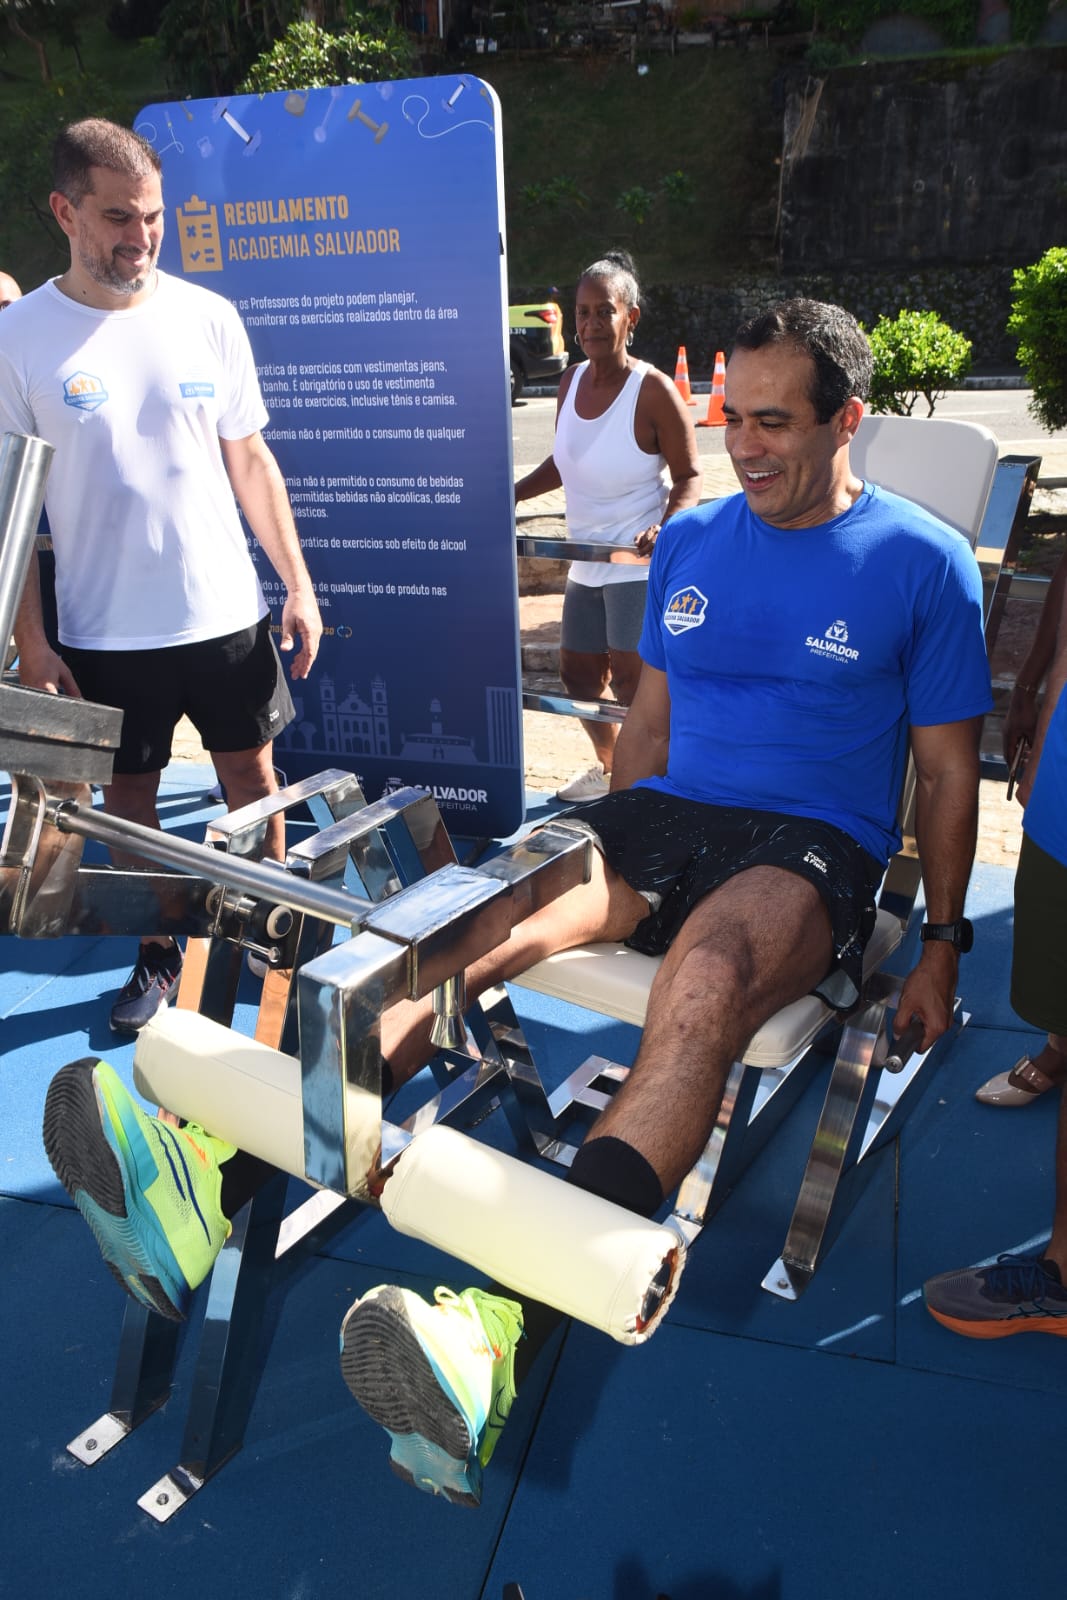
(1002,410)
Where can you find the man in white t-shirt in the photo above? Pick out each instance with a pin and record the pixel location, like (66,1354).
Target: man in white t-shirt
(146,386)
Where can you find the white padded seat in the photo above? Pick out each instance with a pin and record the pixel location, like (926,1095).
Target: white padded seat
(615,981)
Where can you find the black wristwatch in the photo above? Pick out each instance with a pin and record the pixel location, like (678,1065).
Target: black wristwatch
(960,935)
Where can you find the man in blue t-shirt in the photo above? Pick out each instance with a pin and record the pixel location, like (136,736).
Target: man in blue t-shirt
(1028,1293)
(798,636)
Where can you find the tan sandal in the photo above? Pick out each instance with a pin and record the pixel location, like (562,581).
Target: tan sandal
(1019,1087)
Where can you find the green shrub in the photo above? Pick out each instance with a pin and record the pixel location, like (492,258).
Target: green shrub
(1039,321)
(915,354)
(678,188)
(823,55)
(636,202)
(307,57)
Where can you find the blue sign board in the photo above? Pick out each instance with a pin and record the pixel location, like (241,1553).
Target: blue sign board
(359,231)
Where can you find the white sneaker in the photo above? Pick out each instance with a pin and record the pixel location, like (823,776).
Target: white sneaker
(587,785)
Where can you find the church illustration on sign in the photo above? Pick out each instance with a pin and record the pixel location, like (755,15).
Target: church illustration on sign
(351,727)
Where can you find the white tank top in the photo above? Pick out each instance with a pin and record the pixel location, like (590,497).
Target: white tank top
(613,488)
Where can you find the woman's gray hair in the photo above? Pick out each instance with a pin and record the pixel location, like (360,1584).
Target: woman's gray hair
(617,268)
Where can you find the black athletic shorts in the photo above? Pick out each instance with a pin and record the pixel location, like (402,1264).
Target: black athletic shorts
(1039,950)
(232,689)
(675,851)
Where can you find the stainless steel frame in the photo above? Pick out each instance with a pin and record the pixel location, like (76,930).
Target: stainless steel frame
(413,920)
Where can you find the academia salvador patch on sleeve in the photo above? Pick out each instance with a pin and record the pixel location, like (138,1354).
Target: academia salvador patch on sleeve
(685,609)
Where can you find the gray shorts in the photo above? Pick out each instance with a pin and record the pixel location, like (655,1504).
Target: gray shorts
(602,619)
(1039,950)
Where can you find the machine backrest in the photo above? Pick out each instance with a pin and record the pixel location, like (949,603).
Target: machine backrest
(946,467)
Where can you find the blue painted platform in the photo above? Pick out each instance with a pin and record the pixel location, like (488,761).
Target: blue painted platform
(843,1446)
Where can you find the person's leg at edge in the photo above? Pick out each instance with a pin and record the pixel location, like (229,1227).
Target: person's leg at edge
(600,631)
(1056,1249)
(1052,1058)
(1024,1293)
(1016,1293)
(131,796)
(586,677)
(248,776)
(731,967)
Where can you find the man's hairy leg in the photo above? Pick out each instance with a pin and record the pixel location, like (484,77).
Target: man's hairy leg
(746,950)
(604,908)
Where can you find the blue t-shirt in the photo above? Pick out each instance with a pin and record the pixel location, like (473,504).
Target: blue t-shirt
(1045,817)
(797,659)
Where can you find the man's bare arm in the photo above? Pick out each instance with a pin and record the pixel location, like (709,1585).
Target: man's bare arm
(946,830)
(260,489)
(39,666)
(643,742)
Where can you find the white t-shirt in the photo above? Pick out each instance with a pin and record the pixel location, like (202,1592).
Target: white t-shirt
(150,550)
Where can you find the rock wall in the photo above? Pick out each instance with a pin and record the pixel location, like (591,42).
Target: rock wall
(912,184)
(928,161)
(974,300)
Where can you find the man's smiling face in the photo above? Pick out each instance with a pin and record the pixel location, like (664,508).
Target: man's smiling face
(793,468)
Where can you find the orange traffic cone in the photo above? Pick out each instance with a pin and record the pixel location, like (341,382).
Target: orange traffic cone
(681,377)
(716,417)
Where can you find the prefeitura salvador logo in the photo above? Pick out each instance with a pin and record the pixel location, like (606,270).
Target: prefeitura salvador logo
(834,642)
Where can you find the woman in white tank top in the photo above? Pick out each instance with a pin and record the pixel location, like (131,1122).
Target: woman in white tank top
(625,455)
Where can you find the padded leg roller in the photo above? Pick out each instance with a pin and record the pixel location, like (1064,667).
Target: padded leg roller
(541,1236)
(238,1089)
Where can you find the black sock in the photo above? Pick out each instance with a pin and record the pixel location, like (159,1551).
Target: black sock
(242,1176)
(616,1171)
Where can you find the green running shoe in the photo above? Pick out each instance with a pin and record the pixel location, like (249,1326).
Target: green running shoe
(149,1191)
(440,1379)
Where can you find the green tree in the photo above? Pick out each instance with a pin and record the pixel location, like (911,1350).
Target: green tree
(31,242)
(209,44)
(915,354)
(40,23)
(307,57)
(1039,322)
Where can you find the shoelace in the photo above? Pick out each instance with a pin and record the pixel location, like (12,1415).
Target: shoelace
(500,1324)
(1019,1278)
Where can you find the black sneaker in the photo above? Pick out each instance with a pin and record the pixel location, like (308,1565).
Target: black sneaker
(149,986)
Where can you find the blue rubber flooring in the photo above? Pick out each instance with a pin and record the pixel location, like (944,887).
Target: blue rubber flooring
(755,1449)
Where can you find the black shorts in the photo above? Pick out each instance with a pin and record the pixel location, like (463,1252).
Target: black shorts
(232,690)
(1039,950)
(674,852)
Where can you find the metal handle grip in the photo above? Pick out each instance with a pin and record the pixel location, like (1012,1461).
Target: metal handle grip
(904,1046)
